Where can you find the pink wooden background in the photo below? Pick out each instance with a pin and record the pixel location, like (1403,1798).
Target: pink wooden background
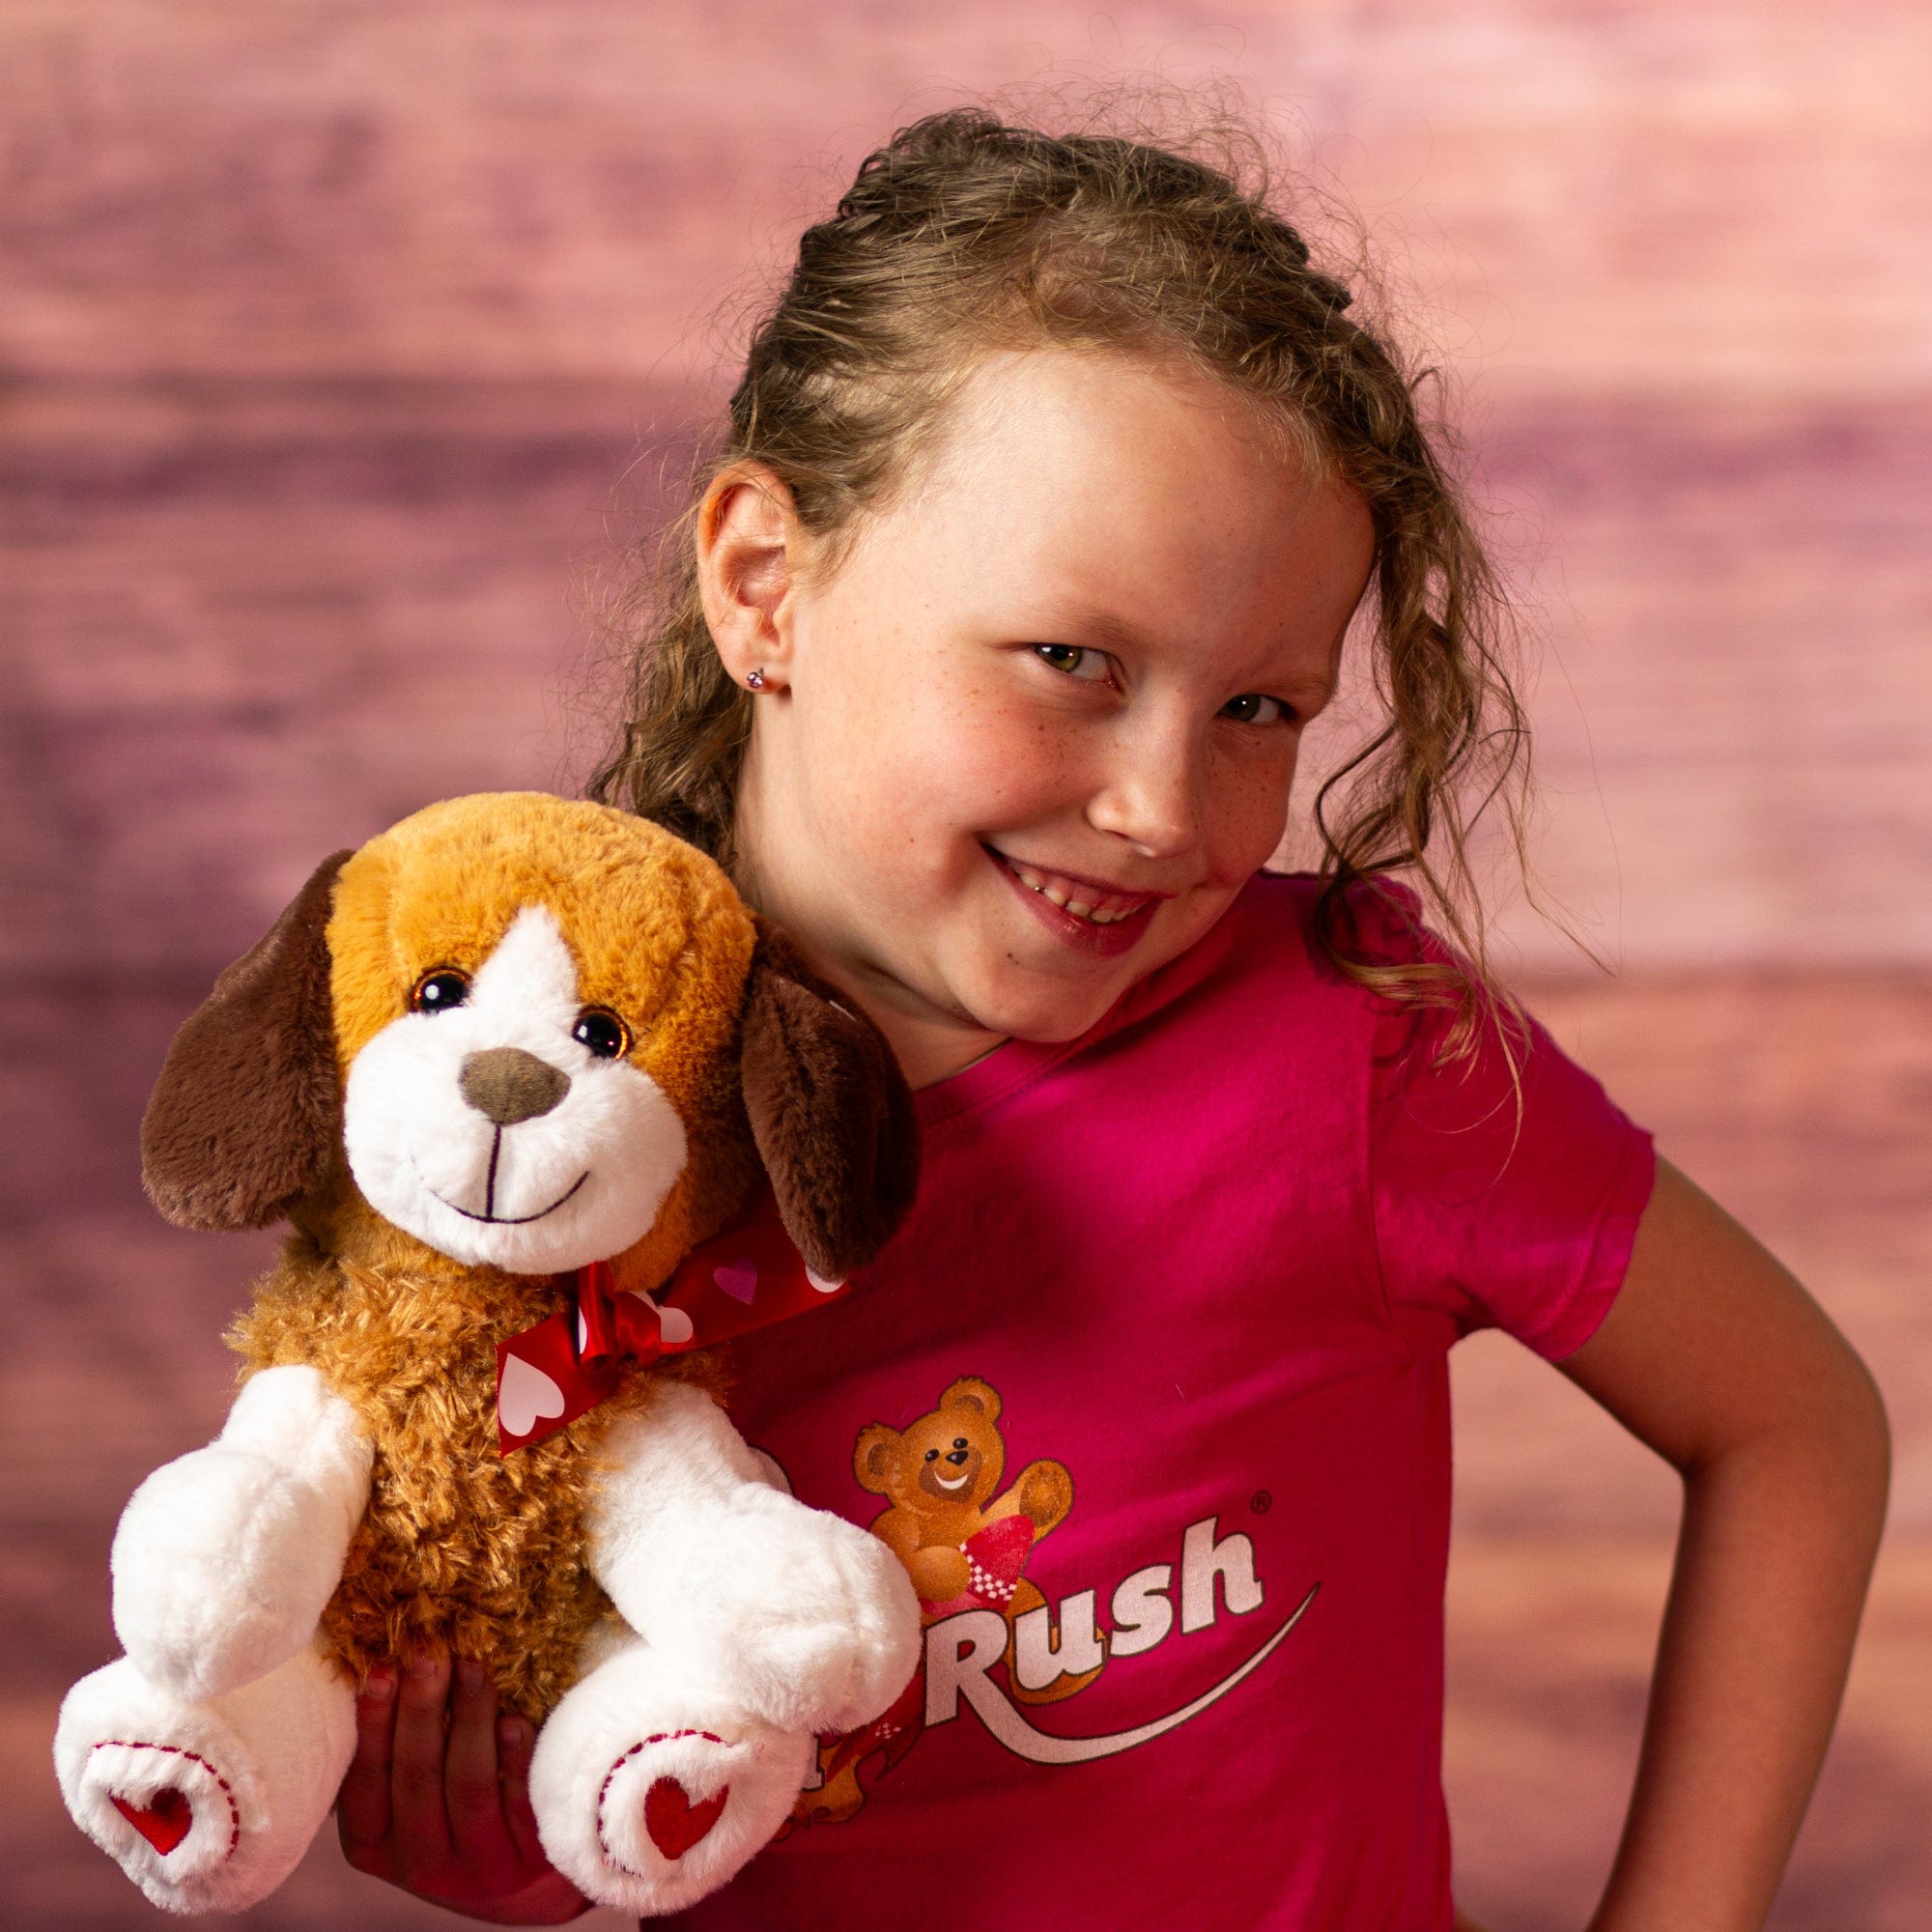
(327,335)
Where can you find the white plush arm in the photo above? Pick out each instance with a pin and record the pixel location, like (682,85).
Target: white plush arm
(809,1621)
(225,1557)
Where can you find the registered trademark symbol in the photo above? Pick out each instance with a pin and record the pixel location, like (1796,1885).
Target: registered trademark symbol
(1260,1502)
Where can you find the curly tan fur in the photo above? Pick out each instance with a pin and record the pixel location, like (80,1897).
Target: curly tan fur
(463,1552)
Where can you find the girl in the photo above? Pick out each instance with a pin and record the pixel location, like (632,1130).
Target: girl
(1052,486)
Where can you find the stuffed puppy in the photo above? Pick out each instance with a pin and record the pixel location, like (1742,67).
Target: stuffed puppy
(502,1069)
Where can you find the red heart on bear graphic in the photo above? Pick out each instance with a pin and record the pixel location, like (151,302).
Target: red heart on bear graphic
(165,1823)
(675,1824)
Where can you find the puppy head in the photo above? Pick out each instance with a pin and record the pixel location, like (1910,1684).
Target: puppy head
(538,1031)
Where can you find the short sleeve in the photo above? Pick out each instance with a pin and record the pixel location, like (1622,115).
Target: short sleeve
(1494,1206)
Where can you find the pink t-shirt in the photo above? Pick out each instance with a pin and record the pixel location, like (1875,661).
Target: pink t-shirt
(1152,1388)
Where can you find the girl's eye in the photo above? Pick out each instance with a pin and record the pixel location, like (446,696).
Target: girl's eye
(1071,659)
(601,1033)
(1252,708)
(437,991)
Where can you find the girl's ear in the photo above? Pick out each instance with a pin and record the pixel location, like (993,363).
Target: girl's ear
(830,1111)
(248,1109)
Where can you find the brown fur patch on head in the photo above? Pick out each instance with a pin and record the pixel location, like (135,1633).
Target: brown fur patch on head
(655,929)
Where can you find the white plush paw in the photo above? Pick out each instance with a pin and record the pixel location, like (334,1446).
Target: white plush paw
(219,1571)
(809,1621)
(168,1816)
(680,1812)
(167,1790)
(205,1806)
(650,1793)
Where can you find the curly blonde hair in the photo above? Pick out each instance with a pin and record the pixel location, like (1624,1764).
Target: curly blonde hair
(965,234)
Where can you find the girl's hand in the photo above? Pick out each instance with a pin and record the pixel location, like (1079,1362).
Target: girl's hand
(449,1817)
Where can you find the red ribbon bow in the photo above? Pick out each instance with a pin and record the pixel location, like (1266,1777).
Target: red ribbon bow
(550,1375)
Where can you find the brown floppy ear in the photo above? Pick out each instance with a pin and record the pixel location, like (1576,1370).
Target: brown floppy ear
(248,1109)
(830,1110)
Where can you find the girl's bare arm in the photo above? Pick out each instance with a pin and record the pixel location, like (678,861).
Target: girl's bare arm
(1716,1357)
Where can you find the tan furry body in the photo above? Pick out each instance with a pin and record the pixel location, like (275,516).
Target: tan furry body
(463,1552)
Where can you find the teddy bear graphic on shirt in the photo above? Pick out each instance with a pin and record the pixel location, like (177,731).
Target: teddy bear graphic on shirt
(965,1541)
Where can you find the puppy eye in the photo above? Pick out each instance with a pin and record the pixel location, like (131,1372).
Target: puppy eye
(602,1033)
(932,1455)
(437,992)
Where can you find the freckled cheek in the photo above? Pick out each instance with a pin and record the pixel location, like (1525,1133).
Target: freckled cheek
(970,766)
(1246,815)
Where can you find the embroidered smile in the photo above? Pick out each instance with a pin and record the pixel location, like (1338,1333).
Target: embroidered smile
(516,1220)
(1083,898)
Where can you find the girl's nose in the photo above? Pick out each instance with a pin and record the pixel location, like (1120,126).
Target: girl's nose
(1151,796)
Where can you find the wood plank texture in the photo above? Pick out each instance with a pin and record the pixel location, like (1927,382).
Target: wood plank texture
(1623,194)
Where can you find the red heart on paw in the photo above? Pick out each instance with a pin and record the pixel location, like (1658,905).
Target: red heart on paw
(165,1823)
(675,1824)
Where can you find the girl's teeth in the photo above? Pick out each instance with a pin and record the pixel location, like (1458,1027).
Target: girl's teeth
(1079,908)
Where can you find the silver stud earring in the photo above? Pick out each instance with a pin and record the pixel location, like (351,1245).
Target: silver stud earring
(756,680)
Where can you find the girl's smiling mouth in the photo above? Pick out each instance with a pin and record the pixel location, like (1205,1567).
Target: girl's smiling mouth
(1088,916)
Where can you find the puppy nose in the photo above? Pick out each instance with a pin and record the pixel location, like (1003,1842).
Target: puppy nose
(506,1084)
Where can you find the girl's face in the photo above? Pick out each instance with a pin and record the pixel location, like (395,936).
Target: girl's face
(1036,733)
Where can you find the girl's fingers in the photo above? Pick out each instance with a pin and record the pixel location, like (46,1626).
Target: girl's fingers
(473,1797)
(516,1745)
(421,1812)
(363,1805)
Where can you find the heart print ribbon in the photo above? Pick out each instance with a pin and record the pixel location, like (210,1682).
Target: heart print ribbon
(569,1362)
